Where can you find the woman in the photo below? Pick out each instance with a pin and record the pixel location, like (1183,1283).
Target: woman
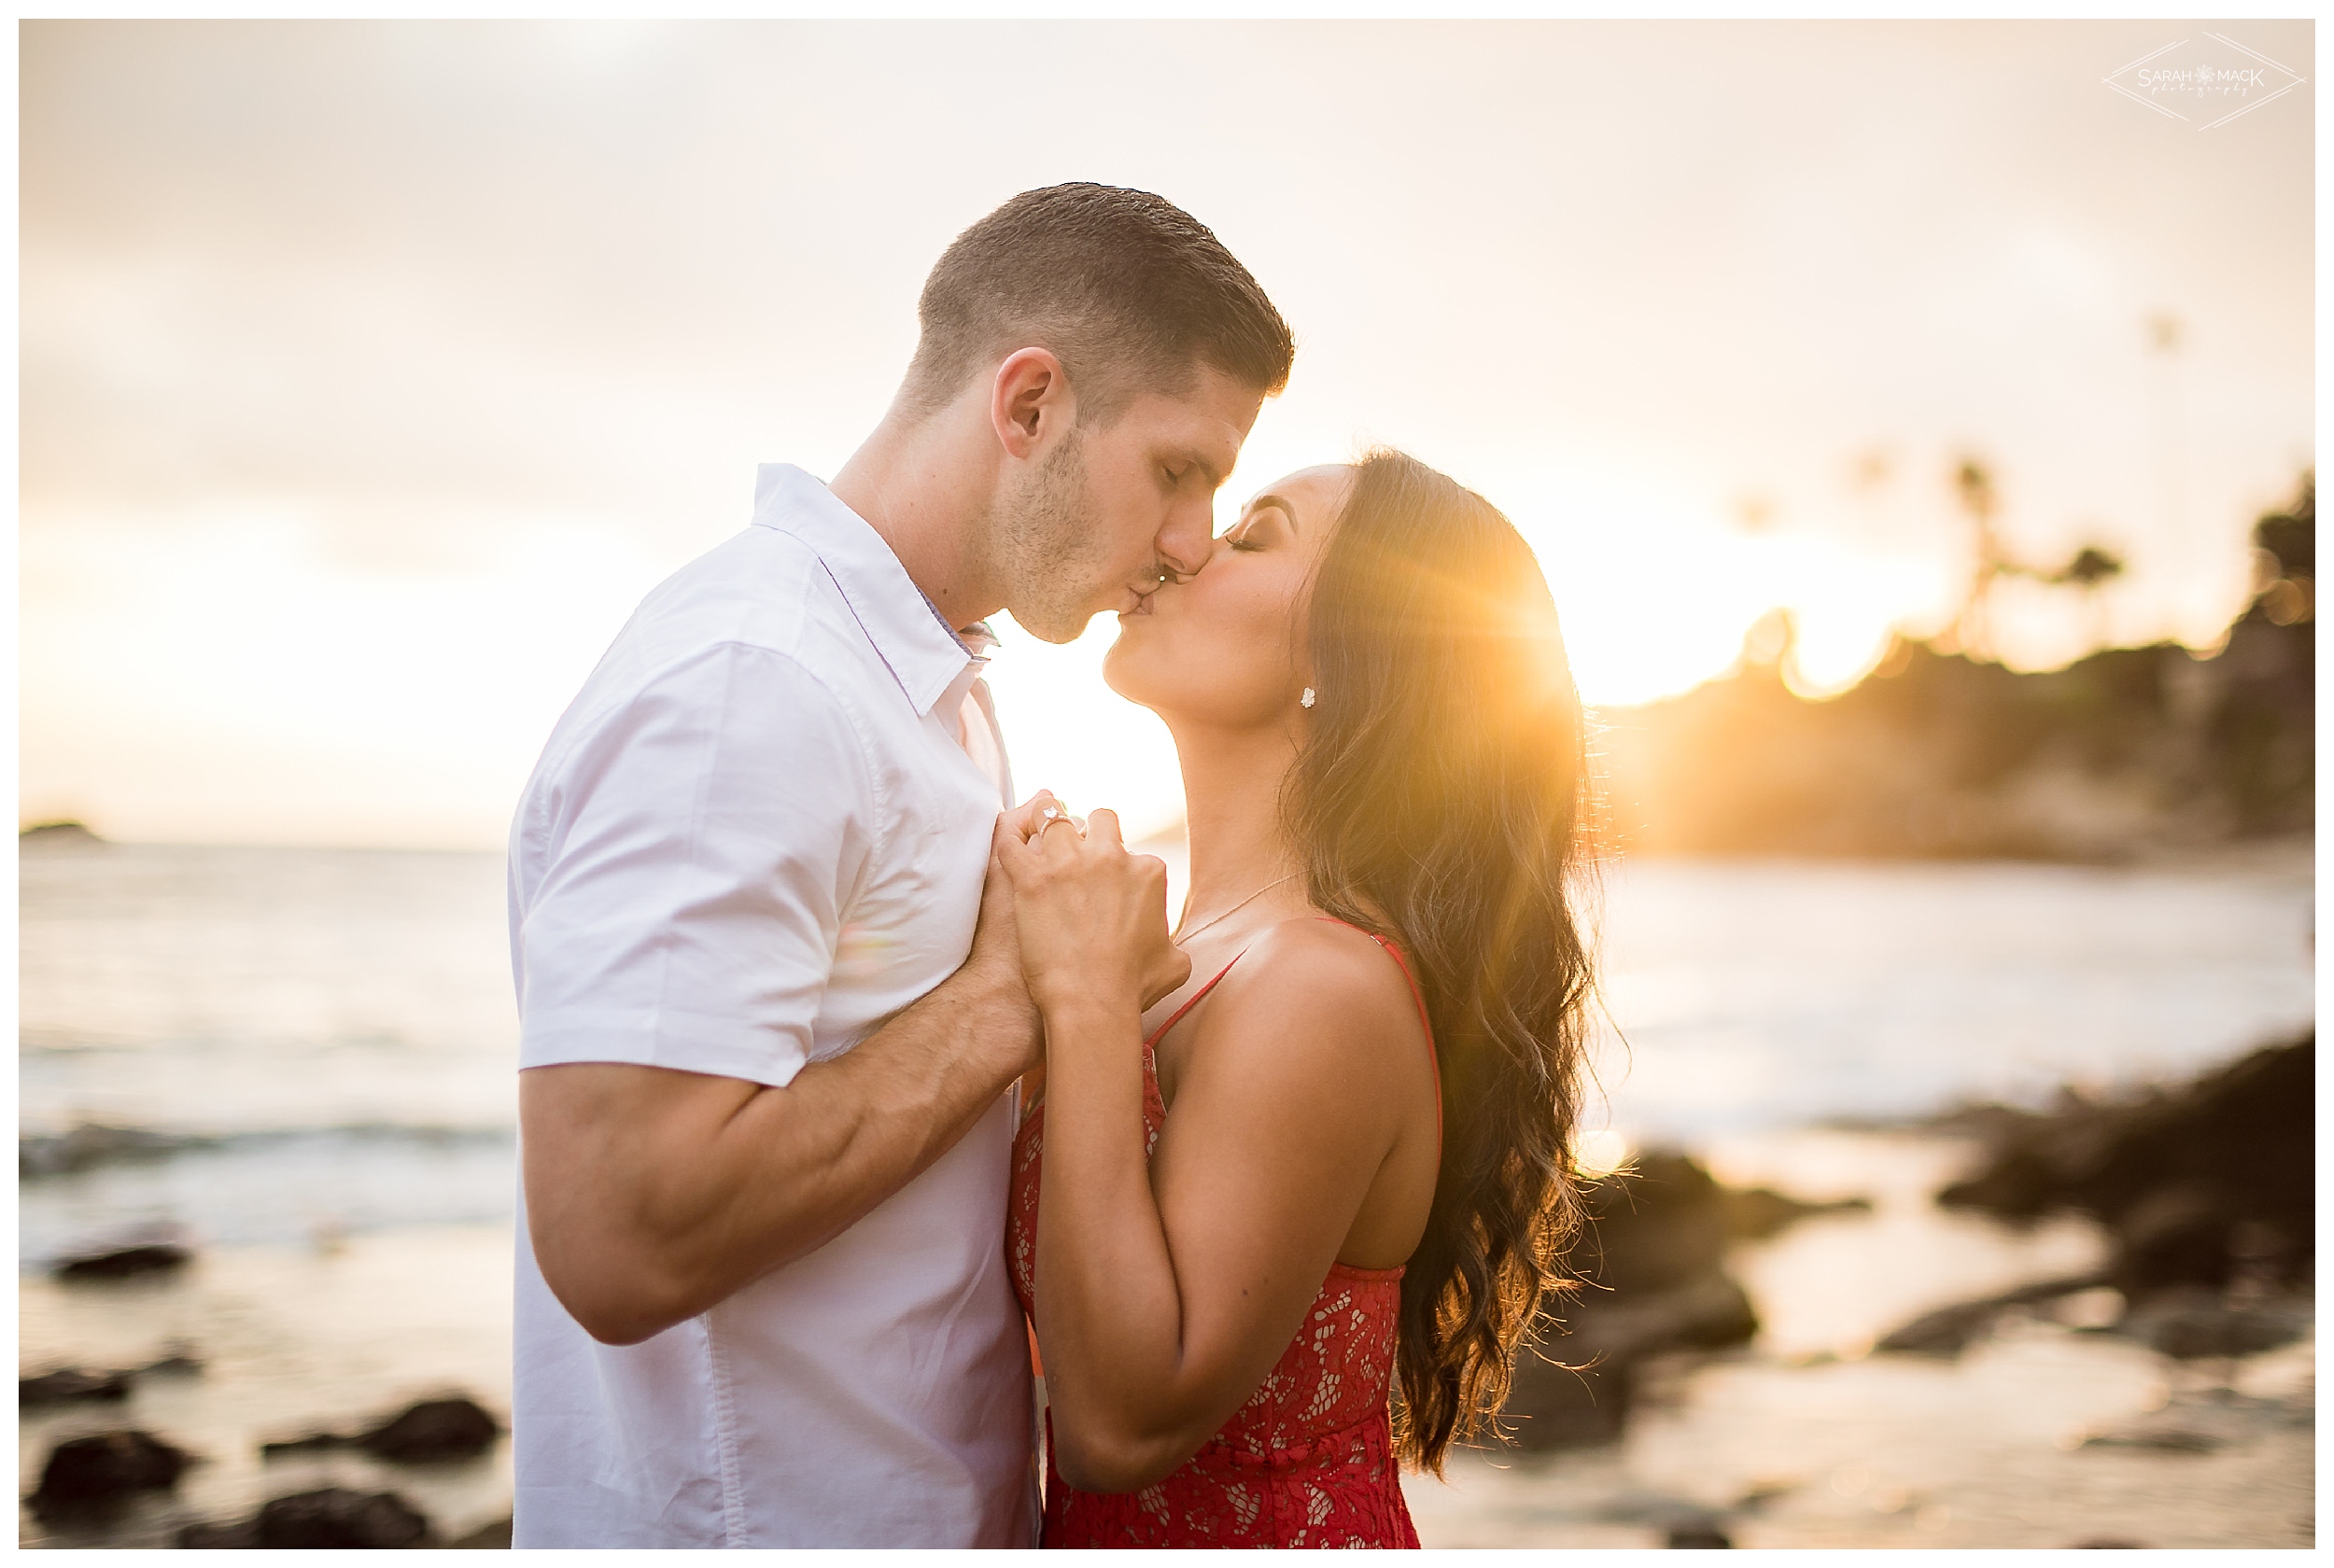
(1339,1152)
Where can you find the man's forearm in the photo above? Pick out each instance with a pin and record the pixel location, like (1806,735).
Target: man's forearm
(655,1195)
(849,1133)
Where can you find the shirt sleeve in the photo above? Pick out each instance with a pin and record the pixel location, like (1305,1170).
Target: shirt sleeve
(701,845)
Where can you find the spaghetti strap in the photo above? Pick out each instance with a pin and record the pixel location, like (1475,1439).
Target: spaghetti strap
(1434,1059)
(1193,1001)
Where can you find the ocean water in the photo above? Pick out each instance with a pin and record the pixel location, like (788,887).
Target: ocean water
(320,1042)
(1756,996)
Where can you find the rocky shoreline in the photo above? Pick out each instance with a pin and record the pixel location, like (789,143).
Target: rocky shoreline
(2209,1185)
(2204,1191)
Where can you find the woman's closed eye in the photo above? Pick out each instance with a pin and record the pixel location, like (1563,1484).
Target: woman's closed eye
(1257,530)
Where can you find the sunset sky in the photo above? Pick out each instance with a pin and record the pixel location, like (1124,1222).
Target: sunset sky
(372,372)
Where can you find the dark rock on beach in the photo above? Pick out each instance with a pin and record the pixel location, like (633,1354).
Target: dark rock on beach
(71,1385)
(2207,1184)
(1756,1213)
(1704,1535)
(1663,1225)
(2206,1191)
(1651,1261)
(2192,1324)
(336,1516)
(450,1428)
(2205,1420)
(124,1263)
(333,1519)
(92,1472)
(242,1535)
(86,1147)
(454,1428)
(1949,1330)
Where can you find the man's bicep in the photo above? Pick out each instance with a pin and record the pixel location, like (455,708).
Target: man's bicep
(617,1164)
(583,1122)
(708,836)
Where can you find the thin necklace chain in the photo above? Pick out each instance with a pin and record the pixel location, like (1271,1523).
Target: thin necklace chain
(1182,936)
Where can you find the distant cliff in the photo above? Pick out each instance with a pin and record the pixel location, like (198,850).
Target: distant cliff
(1936,754)
(52,833)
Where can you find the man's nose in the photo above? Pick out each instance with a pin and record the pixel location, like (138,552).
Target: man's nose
(1189,539)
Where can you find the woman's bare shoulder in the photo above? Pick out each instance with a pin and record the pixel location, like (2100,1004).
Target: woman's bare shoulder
(1310,1051)
(1311,981)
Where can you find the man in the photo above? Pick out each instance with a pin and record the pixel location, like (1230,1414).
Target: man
(765,1105)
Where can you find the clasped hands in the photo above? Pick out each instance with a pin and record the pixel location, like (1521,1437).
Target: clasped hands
(1088,919)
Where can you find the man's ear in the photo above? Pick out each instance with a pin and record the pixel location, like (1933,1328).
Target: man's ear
(1028,400)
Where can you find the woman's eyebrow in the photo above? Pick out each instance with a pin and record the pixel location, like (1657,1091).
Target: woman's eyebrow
(1279,503)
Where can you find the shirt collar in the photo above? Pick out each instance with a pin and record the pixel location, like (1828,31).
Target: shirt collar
(923,652)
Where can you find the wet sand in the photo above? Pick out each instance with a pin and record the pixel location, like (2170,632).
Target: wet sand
(1904,1453)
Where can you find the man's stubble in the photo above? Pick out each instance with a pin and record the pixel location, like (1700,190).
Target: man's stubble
(1050,551)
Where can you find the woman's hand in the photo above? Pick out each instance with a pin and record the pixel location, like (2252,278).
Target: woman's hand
(1091,918)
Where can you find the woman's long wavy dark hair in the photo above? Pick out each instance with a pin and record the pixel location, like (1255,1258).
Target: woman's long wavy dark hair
(1441,801)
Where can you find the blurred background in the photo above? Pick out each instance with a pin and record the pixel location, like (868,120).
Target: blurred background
(1915,423)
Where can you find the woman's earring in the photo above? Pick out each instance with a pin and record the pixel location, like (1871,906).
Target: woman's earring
(1306,701)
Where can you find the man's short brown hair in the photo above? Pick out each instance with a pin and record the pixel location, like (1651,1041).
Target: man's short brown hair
(1129,292)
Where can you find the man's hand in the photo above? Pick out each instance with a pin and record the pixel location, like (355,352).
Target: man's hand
(994,964)
(653,1195)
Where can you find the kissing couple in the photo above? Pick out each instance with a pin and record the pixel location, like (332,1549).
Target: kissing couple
(893,1175)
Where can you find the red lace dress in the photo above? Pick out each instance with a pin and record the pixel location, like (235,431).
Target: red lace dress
(1308,1461)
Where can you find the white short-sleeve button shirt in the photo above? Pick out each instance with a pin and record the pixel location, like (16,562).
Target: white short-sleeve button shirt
(760,830)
